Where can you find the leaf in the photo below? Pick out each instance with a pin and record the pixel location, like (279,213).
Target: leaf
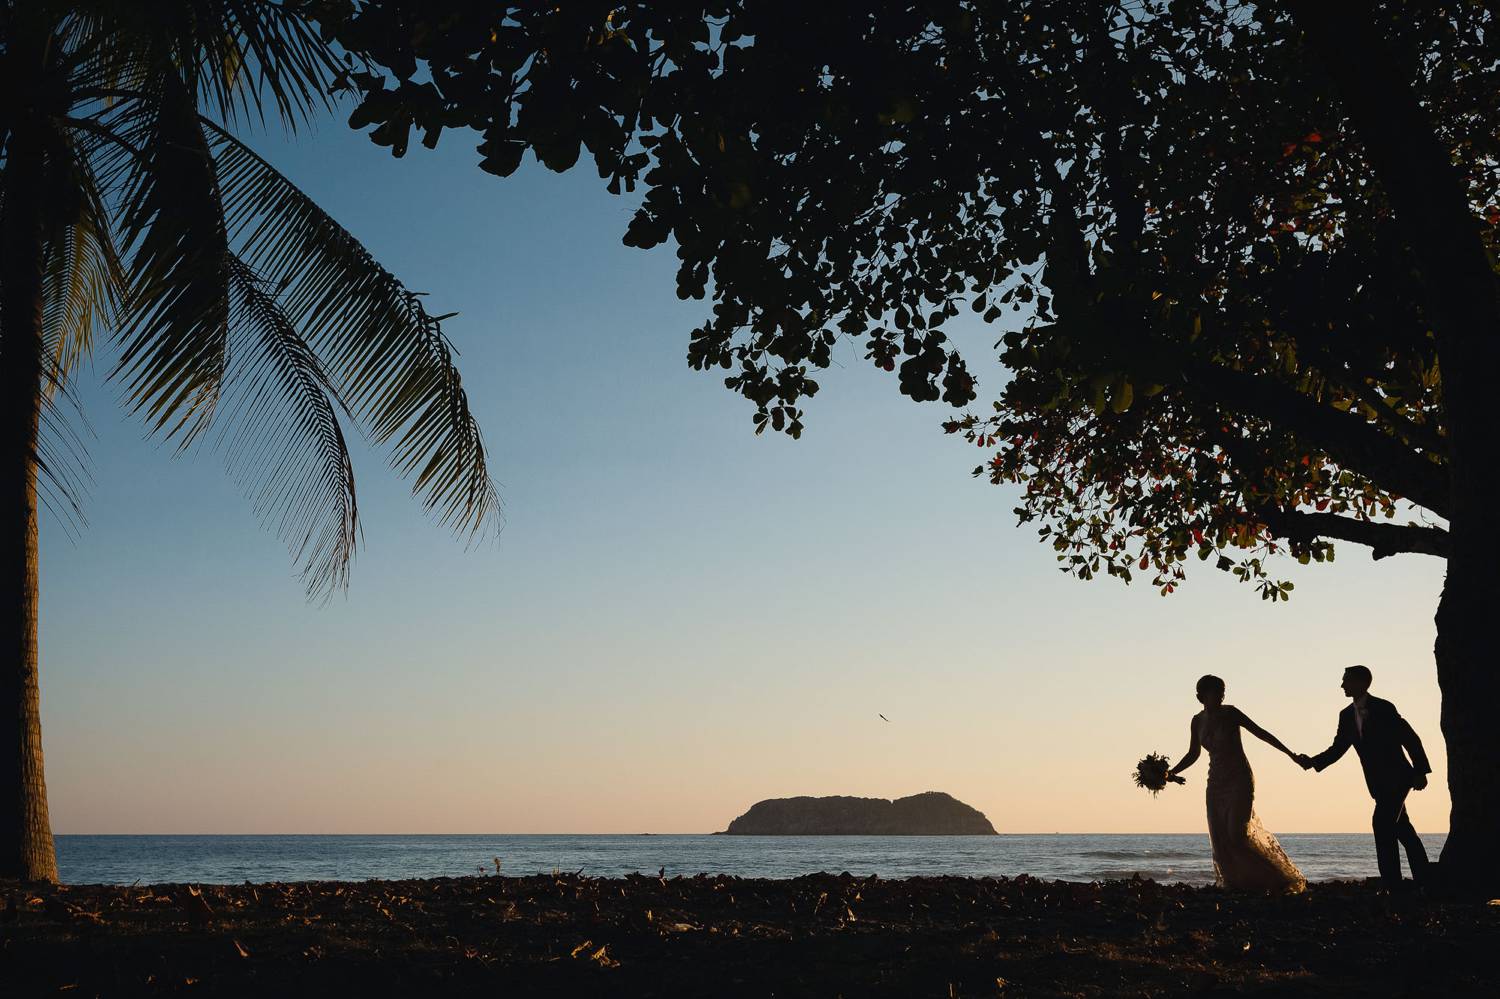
(501,157)
(559,154)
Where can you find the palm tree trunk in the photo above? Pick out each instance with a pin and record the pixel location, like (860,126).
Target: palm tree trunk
(26,847)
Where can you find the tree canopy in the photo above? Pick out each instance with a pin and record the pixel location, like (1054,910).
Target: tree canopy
(1218,331)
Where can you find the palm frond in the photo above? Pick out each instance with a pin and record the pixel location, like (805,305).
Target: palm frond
(177,309)
(383,351)
(240,57)
(283,441)
(62,459)
(234,298)
(83,279)
(81,284)
(287,57)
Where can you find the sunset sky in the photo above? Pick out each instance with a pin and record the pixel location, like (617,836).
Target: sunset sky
(678,618)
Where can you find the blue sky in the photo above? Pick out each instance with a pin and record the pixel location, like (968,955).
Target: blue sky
(678,618)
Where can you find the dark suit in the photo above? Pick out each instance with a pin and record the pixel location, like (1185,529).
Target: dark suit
(1389,776)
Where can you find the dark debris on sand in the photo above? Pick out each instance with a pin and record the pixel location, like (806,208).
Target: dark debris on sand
(822,935)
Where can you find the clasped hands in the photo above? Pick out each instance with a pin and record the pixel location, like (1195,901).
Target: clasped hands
(1418,781)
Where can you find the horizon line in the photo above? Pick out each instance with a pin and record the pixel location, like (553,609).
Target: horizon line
(1178,832)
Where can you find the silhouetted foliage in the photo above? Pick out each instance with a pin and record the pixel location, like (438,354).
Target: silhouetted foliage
(130,207)
(1211,322)
(1237,254)
(230,292)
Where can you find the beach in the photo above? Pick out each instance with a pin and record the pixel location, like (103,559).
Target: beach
(819,935)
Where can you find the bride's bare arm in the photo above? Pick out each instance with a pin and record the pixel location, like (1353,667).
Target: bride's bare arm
(1191,756)
(1261,733)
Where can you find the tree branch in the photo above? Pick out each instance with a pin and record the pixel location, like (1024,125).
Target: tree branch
(1383,539)
(1348,439)
(1115,90)
(1298,525)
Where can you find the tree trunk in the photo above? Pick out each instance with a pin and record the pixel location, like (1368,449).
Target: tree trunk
(1467,664)
(26,848)
(1471,690)
(1461,293)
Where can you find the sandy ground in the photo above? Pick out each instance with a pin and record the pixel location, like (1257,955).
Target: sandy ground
(823,935)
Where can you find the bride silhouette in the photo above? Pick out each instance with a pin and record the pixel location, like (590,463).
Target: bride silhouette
(1245,854)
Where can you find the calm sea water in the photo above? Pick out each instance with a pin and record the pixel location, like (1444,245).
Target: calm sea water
(233,859)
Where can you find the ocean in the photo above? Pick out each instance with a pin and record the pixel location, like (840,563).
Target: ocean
(1070,857)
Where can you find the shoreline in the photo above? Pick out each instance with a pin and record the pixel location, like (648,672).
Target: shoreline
(231,859)
(820,934)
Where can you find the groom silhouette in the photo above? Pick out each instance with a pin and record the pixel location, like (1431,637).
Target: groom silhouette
(1378,734)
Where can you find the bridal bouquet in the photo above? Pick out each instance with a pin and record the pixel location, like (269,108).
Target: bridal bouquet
(1151,772)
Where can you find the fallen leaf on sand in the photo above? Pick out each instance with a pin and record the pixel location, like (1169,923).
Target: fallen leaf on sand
(196,906)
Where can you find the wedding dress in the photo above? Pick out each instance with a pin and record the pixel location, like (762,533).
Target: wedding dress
(1245,855)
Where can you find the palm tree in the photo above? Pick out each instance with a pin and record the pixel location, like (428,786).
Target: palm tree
(130,208)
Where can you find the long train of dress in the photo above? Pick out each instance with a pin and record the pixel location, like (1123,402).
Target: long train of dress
(1246,855)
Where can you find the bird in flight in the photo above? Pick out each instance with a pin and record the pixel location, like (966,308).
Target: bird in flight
(882,717)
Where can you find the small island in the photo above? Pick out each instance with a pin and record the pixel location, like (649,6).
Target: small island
(931,813)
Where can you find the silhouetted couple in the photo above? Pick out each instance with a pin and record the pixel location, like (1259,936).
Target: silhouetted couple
(1245,854)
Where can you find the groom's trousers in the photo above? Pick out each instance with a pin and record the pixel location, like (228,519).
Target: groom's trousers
(1392,827)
